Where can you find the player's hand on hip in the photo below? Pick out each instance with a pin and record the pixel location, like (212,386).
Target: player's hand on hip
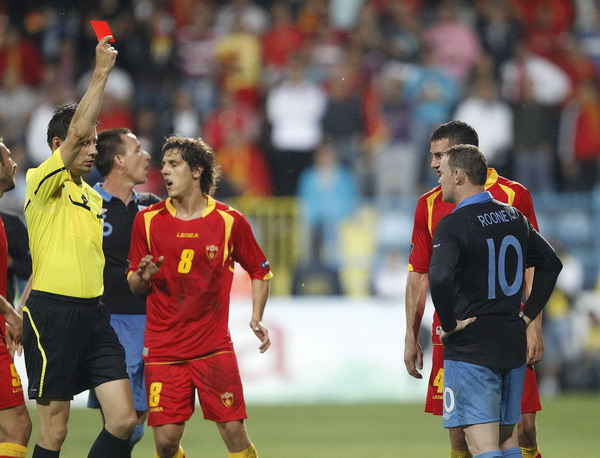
(413,357)
(106,55)
(460,325)
(262,333)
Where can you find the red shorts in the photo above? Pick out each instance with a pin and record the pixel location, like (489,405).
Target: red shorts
(171,390)
(530,401)
(11,390)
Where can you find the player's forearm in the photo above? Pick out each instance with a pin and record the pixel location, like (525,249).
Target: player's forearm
(87,111)
(260,294)
(542,287)
(26,291)
(416,294)
(10,314)
(442,293)
(5,307)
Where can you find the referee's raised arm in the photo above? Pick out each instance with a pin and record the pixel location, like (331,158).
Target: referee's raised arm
(84,119)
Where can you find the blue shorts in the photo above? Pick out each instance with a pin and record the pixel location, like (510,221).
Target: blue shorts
(476,394)
(130,330)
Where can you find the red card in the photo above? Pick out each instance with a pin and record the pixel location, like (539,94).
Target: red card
(102,29)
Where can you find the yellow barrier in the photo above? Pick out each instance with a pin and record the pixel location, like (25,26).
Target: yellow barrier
(275,224)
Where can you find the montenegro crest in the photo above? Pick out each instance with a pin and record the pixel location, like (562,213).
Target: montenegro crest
(211,251)
(227,399)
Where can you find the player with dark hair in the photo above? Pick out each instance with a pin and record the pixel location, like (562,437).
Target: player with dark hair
(123,163)
(430,210)
(480,253)
(15,424)
(68,341)
(182,254)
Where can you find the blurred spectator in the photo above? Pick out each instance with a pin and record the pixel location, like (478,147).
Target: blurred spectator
(432,94)
(119,85)
(492,118)
(397,159)
(343,121)
(534,150)
(244,166)
(52,95)
(402,31)
(19,56)
(545,22)
(17,101)
(240,59)
(454,44)
(279,43)
(588,32)
(325,49)
(149,133)
(313,15)
(344,14)
(182,118)
(328,194)
(389,277)
(195,49)
(313,278)
(295,109)
(498,29)
(230,117)
(251,17)
(557,323)
(367,35)
(582,370)
(550,84)
(115,113)
(580,139)
(576,64)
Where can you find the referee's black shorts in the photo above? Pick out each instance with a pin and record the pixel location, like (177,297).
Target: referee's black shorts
(69,346)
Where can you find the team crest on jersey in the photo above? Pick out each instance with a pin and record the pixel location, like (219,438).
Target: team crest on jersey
(211,251)
(227,399)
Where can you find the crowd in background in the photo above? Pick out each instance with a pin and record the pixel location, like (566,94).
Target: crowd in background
(332,101)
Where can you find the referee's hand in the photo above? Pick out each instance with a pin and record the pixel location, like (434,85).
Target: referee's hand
(106,55)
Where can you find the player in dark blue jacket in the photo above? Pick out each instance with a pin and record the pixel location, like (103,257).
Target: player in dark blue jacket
(480,253)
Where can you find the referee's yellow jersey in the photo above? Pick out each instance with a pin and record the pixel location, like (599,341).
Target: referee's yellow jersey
(64,221)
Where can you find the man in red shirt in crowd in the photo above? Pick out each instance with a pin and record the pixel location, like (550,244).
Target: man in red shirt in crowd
(182,255)
(430,210)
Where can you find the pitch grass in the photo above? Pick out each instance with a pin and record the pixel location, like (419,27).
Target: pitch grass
(568,427)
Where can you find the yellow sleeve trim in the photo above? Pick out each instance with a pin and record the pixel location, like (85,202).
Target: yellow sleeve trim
(228,227)
(147,218)
(430,203)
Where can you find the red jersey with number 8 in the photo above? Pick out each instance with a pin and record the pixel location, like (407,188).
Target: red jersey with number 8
(188,301)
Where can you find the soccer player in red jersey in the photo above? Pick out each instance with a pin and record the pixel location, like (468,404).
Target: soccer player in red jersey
(15,425)
(182,255)
(430,210)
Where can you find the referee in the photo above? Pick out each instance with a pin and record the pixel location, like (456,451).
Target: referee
(480,253)
(68,341)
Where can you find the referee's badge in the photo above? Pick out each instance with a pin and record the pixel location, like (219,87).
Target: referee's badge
(227,399)
(211,251)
